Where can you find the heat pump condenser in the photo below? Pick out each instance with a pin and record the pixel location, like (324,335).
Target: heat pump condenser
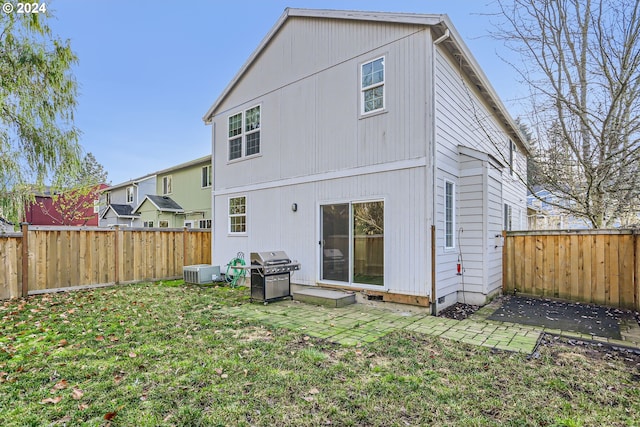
(201,274)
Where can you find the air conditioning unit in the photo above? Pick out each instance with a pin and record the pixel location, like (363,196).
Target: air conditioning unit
(201,274)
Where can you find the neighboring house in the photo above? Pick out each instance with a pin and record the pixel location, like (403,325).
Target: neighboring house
(6,226)
(347,136)
(71,208)
(119,202)
(545,214)
(182,197)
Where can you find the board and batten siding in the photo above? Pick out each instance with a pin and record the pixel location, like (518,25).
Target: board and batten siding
(272,225)
(309,95)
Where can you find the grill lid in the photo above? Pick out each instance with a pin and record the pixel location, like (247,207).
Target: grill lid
(270,258)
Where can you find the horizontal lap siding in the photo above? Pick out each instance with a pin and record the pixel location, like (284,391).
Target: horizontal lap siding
(597,267)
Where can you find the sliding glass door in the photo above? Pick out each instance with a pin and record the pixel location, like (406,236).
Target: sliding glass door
(353,242)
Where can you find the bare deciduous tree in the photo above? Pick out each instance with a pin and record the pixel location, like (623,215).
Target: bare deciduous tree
(582,63)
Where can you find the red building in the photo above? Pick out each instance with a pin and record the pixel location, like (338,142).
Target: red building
(75,208)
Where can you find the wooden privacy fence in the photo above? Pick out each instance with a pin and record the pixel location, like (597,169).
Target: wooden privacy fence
(60,257)
(592,266)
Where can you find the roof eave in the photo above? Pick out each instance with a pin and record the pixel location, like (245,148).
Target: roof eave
(405,18)
(458,48)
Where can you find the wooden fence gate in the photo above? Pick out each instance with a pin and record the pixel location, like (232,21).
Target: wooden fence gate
(591,266)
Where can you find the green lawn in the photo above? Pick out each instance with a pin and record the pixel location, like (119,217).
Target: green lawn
(164,355)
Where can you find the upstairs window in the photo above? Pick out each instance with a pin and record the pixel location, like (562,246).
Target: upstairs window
(130,194)
(244,133)
(167,185)
(206,176)
(372,86)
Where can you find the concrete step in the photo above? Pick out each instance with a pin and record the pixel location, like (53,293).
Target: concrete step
(325,297)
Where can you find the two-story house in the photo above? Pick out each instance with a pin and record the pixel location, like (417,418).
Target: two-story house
(372,149)
(119,201)
(182,197)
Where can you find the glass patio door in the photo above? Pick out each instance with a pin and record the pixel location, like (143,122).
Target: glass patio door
(353,242)
(335,242)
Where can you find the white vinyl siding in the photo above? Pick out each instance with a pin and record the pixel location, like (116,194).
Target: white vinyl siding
(372,86)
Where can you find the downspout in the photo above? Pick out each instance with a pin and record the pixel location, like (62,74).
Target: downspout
(433,153)
(213,187)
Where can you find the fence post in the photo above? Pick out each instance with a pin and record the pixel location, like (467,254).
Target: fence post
(185,230)
(116,258)
(505,260)
(25,258)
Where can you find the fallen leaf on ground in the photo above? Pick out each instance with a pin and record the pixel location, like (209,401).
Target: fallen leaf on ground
(61,385)
(314,391)
(308,398)
(77,394)
(132,354)
(110,415)
(53,400)
(83,406)
(100,338)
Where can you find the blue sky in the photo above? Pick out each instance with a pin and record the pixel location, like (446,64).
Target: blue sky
(149,70)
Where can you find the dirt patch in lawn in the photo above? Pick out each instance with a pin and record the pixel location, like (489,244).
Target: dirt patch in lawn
(458,311)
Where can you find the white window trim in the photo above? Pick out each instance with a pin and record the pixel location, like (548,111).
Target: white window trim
(362,90)
(209,179)
(205,220)
(161,221)
(243,135)
(167,184)
(229,216)
(129,191)
(453,215)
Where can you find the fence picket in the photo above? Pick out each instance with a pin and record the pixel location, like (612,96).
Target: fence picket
(593,266)
(60,257)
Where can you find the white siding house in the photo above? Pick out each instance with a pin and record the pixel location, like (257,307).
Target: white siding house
(347,138)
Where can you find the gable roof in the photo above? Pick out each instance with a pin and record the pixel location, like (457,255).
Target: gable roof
(162,203)
(441,26)
(121,211)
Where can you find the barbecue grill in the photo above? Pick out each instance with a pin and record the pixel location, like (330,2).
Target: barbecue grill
(270,275)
